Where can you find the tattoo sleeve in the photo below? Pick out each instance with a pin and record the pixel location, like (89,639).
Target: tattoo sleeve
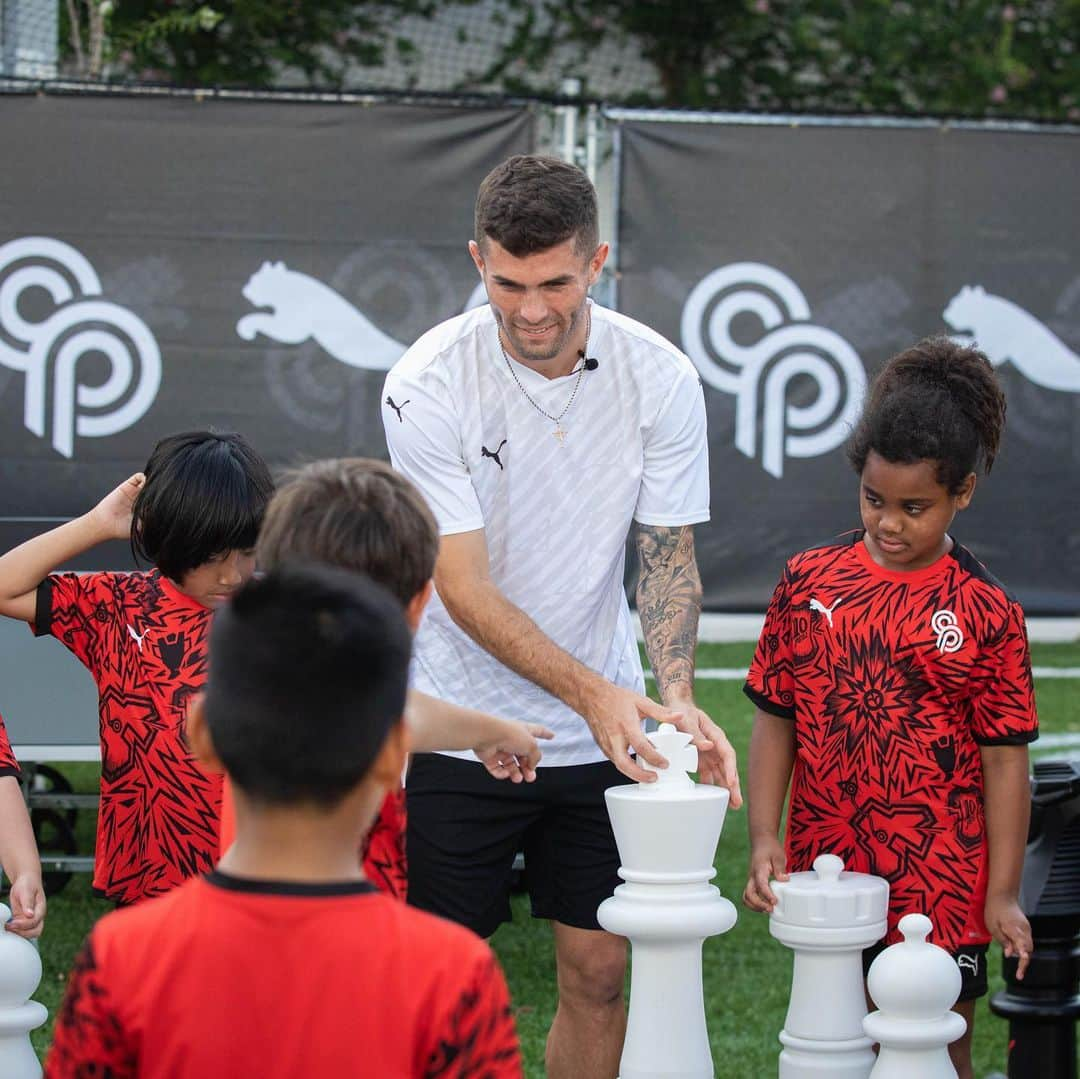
(669,604)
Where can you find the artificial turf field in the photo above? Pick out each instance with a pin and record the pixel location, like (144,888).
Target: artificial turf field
(747,974)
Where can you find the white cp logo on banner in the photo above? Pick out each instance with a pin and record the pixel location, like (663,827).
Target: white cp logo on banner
(48,352)
(791,347)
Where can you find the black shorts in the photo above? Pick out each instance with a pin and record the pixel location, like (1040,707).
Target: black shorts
(465,827)
(971,960)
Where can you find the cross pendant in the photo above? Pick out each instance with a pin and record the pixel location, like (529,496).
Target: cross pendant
(559,434)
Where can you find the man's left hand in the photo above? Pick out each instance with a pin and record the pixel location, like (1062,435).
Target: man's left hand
(716,755)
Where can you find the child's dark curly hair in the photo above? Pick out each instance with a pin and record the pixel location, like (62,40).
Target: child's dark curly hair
(936,401)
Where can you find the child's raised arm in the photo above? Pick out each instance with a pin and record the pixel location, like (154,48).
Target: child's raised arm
(507,749)
(24,567)
(772,757)
(19,857)
(1007,802)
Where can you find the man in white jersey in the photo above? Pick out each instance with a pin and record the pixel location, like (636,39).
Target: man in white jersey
(543,429)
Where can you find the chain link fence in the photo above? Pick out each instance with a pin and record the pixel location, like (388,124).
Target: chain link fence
(29,30)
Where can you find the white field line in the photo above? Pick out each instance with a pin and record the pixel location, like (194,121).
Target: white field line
(1067,740)
(738,674)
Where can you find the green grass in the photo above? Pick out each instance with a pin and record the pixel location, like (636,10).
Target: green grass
(747,974)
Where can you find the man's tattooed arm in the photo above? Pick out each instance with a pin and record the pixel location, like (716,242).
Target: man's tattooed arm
(669,603)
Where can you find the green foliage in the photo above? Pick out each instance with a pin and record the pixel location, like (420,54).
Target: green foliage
(249,42)
(943,57)
(959,57)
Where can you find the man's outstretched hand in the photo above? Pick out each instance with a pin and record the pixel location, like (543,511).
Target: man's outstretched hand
(716,755)
(614,716)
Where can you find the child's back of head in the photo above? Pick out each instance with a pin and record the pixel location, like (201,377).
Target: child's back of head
(355,513)
(204,495)
(308,673)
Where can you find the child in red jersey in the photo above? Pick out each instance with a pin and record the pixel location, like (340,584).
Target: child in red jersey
(18,849)
(194,513)
(361,515)
(285,962)
(893,676)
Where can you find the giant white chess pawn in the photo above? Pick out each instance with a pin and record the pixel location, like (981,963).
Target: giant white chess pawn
(914,984)
(20,975)
(667,833)
(828,917)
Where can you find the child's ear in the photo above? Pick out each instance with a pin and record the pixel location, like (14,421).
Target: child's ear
(390,763)
(415,607)
(964,496)
(198,735)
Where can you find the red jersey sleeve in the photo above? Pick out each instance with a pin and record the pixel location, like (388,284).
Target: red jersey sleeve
(770,683)
(9,766)
(383,852)
(476,1038)
(1003,694)
(89,1039)
(74,608)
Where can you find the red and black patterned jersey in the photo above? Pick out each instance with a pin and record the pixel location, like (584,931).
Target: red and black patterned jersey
(382,855)
(9,766)
(144,641)
(384,848)
(233,978)
(894,681)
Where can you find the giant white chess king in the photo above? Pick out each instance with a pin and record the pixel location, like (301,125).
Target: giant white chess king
(667,834)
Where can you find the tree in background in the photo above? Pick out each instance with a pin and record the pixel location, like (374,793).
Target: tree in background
(243,42)
(959,57)
(940,57)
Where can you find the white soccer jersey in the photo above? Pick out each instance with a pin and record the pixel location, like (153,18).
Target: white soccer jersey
(555,515)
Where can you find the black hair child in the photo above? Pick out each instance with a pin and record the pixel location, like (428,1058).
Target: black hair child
(195,512)
(285,961)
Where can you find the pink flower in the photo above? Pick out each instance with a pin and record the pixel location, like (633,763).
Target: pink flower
(1008,13)
(761,7)
(998,94)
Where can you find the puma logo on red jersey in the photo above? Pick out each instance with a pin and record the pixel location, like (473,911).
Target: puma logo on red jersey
(817,605)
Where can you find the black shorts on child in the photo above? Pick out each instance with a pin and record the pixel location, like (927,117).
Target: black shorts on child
(465,828)
(971,960)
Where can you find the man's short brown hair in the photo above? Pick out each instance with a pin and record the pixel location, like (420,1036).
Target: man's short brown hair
(531,203)
(357,514)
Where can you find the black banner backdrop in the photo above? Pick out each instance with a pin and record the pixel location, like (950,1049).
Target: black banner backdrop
(791,260)
(251,265)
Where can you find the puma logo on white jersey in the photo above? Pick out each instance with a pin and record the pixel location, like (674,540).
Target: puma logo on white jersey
(817,605)
(136,637)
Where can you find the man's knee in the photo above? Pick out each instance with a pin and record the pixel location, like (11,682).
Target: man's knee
(591,968)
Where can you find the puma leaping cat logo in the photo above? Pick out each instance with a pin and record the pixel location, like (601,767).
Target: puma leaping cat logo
(1008,334)
(817,605)
(494,454)
(397,408)
(136,637)
(304,307)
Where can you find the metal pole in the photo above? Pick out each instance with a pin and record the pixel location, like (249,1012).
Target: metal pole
(592,123)
(569,115)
